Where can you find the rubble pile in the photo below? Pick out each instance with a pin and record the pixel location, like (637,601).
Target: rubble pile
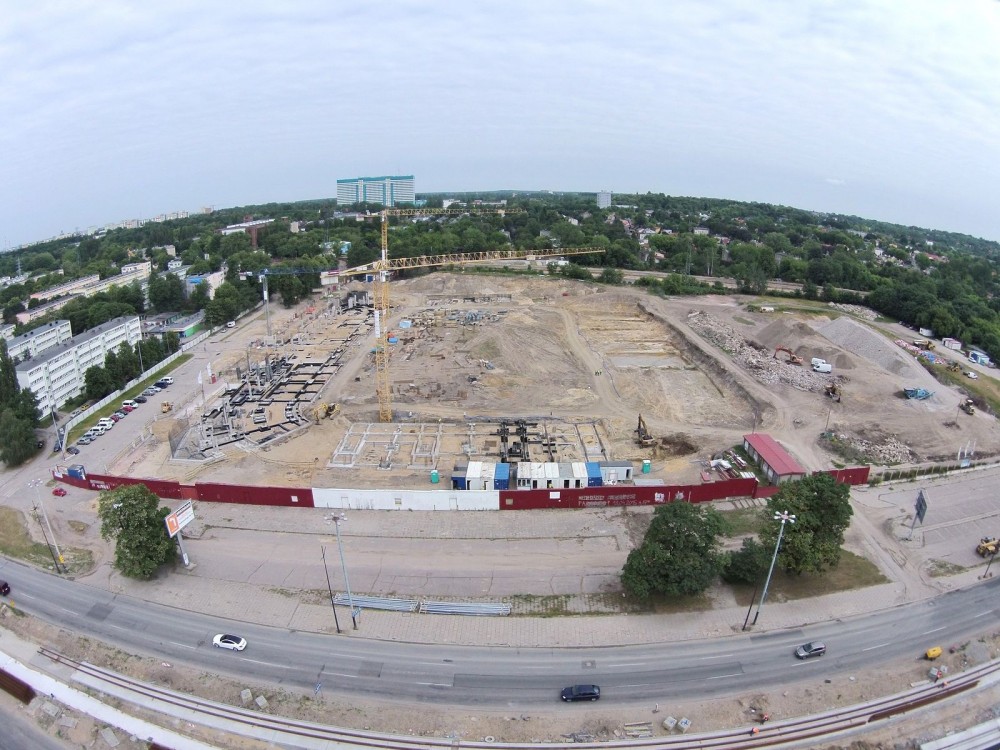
(865,313)
(884,449)
(760,362)
(860,340)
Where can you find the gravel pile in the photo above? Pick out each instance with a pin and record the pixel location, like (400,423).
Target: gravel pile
(858,339)
(760,363)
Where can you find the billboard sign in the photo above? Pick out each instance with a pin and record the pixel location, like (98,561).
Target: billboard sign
(180,518)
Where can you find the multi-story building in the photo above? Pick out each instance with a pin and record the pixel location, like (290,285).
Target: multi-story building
(604,199)
(57,374)
(387,190)
(35,342)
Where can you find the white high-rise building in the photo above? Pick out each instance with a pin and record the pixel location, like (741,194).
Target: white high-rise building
(604,199)
(388,190)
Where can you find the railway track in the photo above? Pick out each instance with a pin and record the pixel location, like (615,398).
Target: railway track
(291,732)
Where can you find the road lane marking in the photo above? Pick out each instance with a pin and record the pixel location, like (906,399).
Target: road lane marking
(872,648)
(720,656)
(268,663)
(983,614)
(434,684)
(928,632)
(723,676)
(181,645)
(629,664)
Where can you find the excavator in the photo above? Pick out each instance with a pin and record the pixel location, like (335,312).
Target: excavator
(642,436)
(833,391)
(793,358)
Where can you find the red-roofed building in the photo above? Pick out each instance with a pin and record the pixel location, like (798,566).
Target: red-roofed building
(777,463)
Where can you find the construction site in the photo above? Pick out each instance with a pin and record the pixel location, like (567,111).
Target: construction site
(540,368)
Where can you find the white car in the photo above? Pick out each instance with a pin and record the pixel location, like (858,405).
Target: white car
(232,642)
(971,374)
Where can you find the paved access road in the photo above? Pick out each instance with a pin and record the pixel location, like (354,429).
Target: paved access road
(502,677)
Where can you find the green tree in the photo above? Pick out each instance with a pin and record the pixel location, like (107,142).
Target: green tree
(17,438)
(679,556)
(748,564)
(132,516)
(97,383)
(822,509)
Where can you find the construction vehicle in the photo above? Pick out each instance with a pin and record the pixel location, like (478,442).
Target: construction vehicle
(833,391)
(988,545)
(954,366)
(323,410)
(925,344)
(793,358)
(166,406)
(968,406)
(642,436)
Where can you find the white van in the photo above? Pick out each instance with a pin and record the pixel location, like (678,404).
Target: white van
(106,422)
(231,324)
(824,367)
(130,403)
(97,431)
(817,361)
(168,381)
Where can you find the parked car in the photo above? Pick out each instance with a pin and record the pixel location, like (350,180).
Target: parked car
(140,399)
(811,649)
(128,409)
(152,390)
(73,450)
(115,417)
(120,414)
(167,380)
(232,642)
(972,375)
(59,492)
(4,588)
(581,693)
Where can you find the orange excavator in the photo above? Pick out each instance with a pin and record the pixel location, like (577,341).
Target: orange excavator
(793,358)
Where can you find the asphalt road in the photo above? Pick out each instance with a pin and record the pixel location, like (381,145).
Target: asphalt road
(503,677)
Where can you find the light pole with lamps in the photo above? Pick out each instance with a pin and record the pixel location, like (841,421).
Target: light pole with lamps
(337,520)
(782,516)
(57,557)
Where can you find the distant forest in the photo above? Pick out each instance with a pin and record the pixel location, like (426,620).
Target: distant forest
(924,277)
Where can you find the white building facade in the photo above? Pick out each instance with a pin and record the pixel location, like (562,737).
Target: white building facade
(57,374)
(604,199)
(387,190)
(35,342)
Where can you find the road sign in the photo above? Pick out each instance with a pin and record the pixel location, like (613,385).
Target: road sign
(180,518)
(921,506)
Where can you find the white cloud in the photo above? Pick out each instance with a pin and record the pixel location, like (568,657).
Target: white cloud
(115,109)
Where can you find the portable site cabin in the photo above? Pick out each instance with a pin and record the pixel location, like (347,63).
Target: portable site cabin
(613,472)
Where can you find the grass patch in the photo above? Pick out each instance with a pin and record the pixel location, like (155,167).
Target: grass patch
(674,605)
(854,572)
(743,521)
(15,542)
(941,568)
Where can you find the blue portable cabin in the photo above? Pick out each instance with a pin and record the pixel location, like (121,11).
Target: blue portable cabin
(458,475)
(501,478)
(594,478)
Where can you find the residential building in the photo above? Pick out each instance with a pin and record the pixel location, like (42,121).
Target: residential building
(35,342)
(604,199)
(387,190)
(57,374)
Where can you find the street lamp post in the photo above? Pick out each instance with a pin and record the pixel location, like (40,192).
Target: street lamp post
(57,558)
(337,520)
(783,516)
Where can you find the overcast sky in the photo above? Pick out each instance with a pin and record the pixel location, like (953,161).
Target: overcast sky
(112,110)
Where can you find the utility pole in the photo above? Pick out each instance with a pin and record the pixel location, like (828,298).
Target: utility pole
(329,588)
(337,520)
(782,516)
(57,557)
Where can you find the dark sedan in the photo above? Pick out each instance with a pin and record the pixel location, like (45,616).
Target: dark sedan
(581,693)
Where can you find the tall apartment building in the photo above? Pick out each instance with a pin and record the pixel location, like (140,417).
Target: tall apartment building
(57,374)
(604,199)
(35,342)
(388,191)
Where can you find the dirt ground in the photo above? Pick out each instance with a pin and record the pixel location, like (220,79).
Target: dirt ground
(701,371)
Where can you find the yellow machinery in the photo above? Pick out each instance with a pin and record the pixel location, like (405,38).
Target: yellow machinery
(642,436)
(793,358)
(932,653)
(165,407)
(968,406)
(988,546)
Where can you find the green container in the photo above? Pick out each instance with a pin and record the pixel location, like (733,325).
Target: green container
(435,478)
(646,465)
